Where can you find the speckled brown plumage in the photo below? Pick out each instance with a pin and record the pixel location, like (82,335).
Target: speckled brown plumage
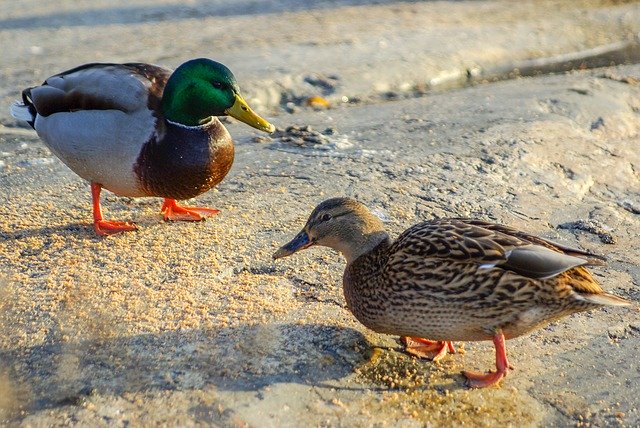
(452,279)
(431,298)
(437,265)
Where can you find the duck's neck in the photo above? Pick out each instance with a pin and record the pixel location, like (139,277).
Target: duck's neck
(186,116)
(364,233)
(362,243)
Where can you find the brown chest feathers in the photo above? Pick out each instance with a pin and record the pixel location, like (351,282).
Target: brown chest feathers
(185,161)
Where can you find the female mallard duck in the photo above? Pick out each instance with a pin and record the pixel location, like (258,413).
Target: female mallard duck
(452,279)
(140,130)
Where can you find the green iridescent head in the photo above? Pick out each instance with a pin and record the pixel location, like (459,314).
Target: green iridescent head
(201,88)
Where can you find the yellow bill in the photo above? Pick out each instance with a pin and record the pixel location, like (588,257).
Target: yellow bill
(241,111)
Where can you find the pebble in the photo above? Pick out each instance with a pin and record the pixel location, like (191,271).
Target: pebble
(617,331)
(37,162)
(318,102)
(304,136)
(590,226)
(630,206)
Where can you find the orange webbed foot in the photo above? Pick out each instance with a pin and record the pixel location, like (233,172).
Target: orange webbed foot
(425,348)
(174,212)
(483,380)
(106,227)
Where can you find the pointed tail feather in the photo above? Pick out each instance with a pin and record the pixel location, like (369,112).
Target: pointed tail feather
(22,112)
(606,299)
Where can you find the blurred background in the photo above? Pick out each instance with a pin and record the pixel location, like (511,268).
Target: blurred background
(346,51)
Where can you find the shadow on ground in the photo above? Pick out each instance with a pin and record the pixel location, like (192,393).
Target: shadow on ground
(237,358)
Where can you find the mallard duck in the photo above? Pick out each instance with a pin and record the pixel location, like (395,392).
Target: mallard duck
(452,279)
(138,129)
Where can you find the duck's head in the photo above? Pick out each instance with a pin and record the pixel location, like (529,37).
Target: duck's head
(202,88)
(343,224)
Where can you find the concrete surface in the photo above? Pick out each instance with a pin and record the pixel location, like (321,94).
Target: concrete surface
(193,324)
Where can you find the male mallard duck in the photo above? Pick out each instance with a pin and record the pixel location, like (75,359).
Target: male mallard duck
(452,279)
(140,130)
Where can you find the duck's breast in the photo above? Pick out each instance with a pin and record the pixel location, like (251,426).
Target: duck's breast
(185,161)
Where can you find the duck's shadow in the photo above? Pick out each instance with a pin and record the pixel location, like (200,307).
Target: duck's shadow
(83,230)
(235,358)
(78,230)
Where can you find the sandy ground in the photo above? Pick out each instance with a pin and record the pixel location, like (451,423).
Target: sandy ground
(194,324)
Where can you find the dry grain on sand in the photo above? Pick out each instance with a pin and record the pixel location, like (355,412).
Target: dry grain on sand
(194,324)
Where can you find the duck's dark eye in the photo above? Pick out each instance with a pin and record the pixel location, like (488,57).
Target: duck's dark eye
(217,85)
(325,217)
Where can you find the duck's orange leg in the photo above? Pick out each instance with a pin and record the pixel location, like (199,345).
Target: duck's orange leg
(106,227)
(425,348)
(174,212)
(483,380)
